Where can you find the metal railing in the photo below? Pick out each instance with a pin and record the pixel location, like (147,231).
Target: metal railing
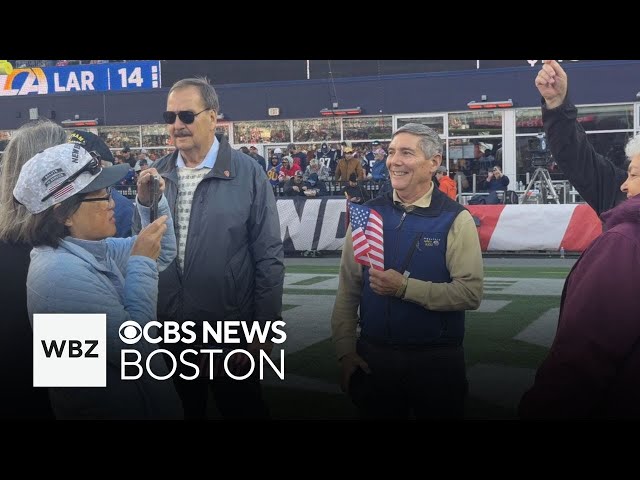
(334,188)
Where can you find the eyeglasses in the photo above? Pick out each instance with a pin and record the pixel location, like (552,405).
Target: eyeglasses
(186,116)
(93,166)
(107,198)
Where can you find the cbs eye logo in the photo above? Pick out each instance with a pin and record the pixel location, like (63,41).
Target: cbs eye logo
(130,332)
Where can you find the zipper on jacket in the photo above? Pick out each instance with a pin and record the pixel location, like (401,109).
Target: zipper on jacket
(395,255)
(404,214)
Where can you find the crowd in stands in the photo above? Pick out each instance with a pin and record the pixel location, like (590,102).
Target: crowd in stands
(357,171)
(324,171)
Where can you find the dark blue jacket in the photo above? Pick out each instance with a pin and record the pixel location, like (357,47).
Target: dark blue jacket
(234,260)
(415,242)
(124,214)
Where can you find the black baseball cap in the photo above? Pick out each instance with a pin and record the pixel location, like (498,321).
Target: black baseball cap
(91,143)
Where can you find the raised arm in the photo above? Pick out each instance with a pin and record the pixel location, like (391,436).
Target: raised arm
(595,177)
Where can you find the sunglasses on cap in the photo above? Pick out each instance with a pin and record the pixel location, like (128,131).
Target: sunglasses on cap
(93,166)
(186,116)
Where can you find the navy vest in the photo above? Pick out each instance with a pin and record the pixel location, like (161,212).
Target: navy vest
(416,242)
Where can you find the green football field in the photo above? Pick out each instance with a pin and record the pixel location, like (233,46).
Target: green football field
(506,340)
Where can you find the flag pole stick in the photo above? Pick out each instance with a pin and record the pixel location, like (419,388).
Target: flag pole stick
(370,264)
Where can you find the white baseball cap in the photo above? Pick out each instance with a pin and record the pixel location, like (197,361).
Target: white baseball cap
(59,172)
(277,150)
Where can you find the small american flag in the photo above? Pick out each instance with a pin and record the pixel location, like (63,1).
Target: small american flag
(61,193)
(367,234)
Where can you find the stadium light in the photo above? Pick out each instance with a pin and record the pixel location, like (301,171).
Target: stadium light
(79,123)
(473,105)
(329,112)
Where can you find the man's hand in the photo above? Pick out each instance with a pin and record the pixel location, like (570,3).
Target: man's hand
(385,283)
(144,185)
(552,83)
(349,363)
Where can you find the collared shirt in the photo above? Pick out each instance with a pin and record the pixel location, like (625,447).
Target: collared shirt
(209,160)
(464,292)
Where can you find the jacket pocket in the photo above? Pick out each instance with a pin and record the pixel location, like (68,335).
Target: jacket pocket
(239,281)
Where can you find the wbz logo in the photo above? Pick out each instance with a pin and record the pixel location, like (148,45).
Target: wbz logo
(69,350)
(74,348)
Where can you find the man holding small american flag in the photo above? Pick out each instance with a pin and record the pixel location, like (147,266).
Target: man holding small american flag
(411,263)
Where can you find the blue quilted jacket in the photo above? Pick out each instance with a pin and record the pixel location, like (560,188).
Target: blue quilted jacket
(83,276)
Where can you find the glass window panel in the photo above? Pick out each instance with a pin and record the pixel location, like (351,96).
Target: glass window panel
(437,123)
(606,117)
(154,136)
(267,131)
(473,156)
(223,128)
(365,128)
(475,123)
(611,145)
(118,137)
(529,120)
(316,130)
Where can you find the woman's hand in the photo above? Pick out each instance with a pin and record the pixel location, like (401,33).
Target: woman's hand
(148,242)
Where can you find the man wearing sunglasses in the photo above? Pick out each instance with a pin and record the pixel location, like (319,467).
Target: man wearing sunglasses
(230,257)
(123,206)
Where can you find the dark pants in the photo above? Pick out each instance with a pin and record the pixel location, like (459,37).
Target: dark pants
(429,382)
(235,399)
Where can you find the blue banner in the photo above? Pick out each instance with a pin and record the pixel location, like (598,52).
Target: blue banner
(98,77)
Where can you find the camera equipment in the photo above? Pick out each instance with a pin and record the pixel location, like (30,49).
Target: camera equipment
(539,155)
(540,159)
(154,187)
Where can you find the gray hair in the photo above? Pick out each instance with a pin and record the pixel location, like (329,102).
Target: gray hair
(632,148)
(430,142)
(25,142)
(207,92)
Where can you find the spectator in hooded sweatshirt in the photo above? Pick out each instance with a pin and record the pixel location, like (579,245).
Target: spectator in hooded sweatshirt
(445,183)
(593,366)
(274,171)
(288,169)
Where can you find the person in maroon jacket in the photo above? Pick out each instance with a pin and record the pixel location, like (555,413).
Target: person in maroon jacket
(593,367)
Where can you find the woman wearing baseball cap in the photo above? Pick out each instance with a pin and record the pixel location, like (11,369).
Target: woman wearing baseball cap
(77,267)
